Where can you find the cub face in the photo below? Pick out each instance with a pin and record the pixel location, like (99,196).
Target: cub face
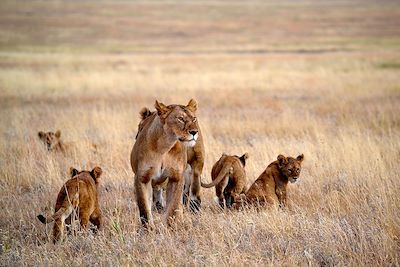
(50,139)
(180,120)
(290,167)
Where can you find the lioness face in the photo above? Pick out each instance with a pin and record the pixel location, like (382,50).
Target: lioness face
(50,139)
(180,120)
(290,167)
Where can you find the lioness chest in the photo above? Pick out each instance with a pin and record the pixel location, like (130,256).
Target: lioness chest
(172,163)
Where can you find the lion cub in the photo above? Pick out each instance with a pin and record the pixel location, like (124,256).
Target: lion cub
(229,178)
(271,186)
(79,193)
(52,140)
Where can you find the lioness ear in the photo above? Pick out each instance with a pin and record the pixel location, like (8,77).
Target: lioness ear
(73,171)
(281,159)
(161,108)
(96,172)
(192,105)
(41,134)
(58,134)
(300,157)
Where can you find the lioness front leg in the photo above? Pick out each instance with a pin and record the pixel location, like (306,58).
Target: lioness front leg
(188,176)
(174,197)
(195,199)
(143,192)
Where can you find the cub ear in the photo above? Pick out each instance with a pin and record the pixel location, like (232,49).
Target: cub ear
(96,172)
(161,108)
(282,160)
(41,134)
(73,171)
(243,158)
(300,157)
(192,105)
(144,113)
(58,134)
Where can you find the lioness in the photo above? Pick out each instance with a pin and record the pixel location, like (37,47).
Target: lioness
(79,193)
(159,153)
(52,140)
(271,186)
(195,161)
(229,178)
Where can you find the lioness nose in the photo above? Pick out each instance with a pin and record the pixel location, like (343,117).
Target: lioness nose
(193,132)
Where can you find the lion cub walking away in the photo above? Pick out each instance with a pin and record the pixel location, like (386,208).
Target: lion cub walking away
(79,193)
(229,178)
(52,140)
(271,186)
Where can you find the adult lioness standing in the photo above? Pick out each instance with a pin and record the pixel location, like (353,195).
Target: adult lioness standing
(195,161)
(159,153)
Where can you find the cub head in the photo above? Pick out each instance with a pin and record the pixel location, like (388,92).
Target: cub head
(180,121)
(290,167)
(50,139)
(95,173)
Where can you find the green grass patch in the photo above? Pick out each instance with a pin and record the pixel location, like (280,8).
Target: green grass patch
(389,65)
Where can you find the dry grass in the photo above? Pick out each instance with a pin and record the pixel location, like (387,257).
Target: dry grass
(290,77)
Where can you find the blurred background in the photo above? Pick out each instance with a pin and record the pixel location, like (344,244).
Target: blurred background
(270,77)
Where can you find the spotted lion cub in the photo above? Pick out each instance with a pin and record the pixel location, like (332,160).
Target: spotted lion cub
(79,193)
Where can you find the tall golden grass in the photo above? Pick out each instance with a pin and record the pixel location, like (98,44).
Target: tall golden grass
(325,86)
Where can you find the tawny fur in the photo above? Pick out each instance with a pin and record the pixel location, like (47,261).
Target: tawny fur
(229,178)
(270,188)
(52,140)
(80,193)
(195,160)
(160,154)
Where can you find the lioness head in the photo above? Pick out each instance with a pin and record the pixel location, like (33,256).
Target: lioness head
(50,139)
(290,167)
(95,173)
(180,120)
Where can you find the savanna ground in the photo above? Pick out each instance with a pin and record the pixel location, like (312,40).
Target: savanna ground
(315,77)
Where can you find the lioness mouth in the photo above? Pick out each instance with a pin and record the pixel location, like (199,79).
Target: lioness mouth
(184,140)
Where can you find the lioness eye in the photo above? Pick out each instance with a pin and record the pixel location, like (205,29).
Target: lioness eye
(194,119)
(180,119)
